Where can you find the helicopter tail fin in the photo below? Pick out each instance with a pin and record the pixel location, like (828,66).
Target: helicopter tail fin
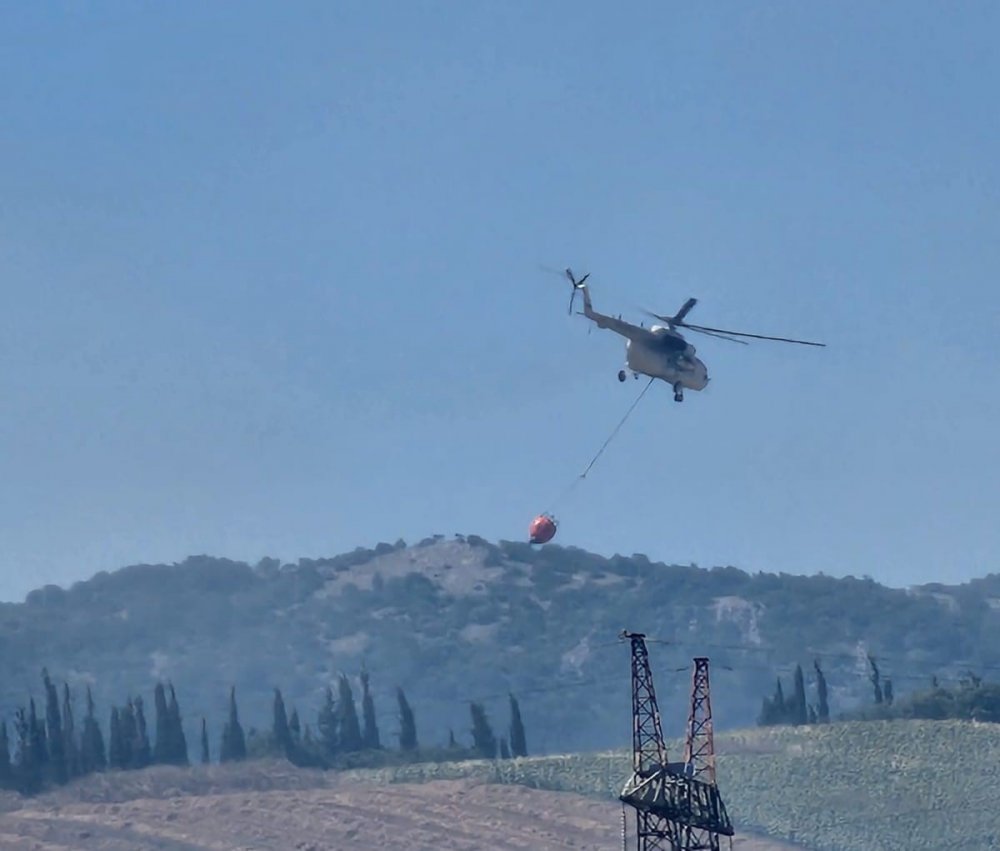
(588,308)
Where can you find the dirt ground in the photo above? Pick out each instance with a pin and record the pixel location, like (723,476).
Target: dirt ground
(440,816)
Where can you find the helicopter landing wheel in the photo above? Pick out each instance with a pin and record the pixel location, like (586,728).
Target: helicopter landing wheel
(678,393)
(621,374)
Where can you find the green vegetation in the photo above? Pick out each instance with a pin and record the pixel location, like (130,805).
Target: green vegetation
(48,753)
(852,786)
(454,621)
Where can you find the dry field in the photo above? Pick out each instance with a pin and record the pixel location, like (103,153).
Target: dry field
(282,809)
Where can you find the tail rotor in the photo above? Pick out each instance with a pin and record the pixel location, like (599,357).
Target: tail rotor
(576,285)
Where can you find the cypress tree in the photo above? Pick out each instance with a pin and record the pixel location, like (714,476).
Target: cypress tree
(37,740)
(504,750)
(70,746)
(92,755)
(799,712)
(116,746)
(130,733)
(370,737)
(27,769)
(53,724)
(282,734)
(178,741)
(874,677)
(6,769)
(823,709)
(483,739)
(887,690)
(205,756)
(350,729)
(407,723)
(812,715)
(327,723)
(295,727)
(162,751)
(141,754)
(518,745)
(234,744)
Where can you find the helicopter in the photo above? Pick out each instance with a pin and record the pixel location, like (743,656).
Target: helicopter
(661,351)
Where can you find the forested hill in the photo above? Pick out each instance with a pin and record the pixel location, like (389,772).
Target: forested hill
(454,620)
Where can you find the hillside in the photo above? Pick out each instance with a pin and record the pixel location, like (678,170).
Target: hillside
(913,785)
(858,786)
(271,807)
(451,620)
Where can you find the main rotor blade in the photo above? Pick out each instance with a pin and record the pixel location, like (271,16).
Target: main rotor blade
(714,334)
(745,334)
(656,315)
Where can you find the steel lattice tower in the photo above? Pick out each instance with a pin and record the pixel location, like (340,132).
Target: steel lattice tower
(649,754)
(669,802)
(648,751)
(699,749)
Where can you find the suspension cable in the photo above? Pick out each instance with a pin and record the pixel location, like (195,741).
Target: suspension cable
(606,443)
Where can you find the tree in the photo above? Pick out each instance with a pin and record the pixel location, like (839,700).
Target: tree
(780,707)
(70,747)
(279,726)
(823,707)
(116,745)
(27,767)
(370,737)
(295,727)
(518,744)
(327,723)
(350,729)
(53,724)
(504,750)
(6,769)
(206,757)
(407,724)
(799,714)
(887,691)
(483,739)
(874,677)
(141,752)
(774,710)
(234,743)
(178,741)
(92,755)
(162,751)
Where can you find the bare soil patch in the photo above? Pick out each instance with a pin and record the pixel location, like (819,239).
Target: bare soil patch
(232,810)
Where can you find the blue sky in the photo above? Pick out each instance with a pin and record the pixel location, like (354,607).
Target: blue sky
(271,280)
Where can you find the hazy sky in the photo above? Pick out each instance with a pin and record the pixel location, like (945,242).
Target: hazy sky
(271,280)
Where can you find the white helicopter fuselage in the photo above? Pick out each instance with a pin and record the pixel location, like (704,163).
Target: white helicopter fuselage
(669,357)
